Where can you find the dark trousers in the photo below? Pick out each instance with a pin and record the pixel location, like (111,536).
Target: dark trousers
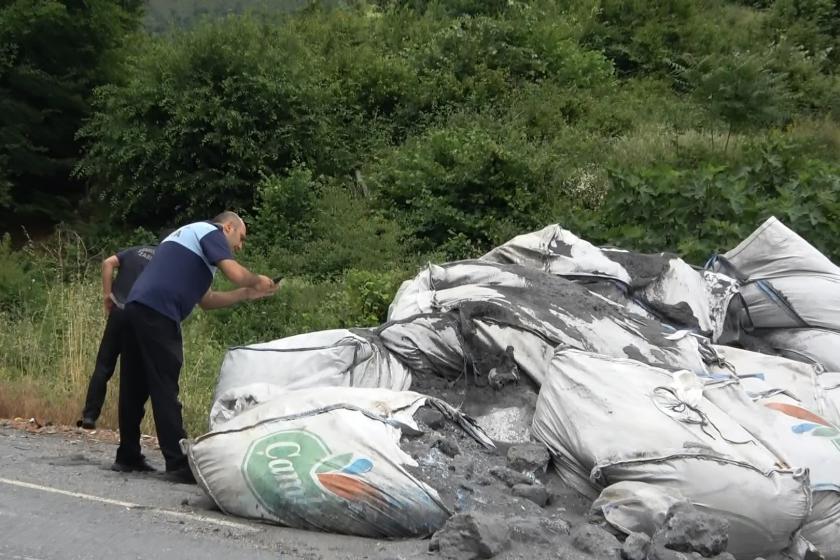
(106,361)
(152,359)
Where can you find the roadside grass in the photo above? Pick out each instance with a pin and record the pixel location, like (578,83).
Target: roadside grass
(47,355)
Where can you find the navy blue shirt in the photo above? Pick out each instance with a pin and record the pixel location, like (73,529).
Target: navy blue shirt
(132,262)
(182,270)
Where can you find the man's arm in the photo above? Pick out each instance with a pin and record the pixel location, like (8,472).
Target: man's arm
(217,300)
(243,277)
(109,265)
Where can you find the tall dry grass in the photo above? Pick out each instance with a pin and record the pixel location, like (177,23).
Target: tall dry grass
(47,354)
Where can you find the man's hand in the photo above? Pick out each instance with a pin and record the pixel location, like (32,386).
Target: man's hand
(217,300)
(265,284)
(254,293)
(109,265)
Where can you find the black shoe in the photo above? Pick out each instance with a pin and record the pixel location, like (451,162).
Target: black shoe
(181,475)
(87,423)
(137,466)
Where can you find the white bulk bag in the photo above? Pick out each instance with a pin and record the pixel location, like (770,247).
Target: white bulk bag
(334,358)
(789,283)
(635,507)
(326,459)
(659,284)
(426,344)
(799,437)
(557,251)
(608,420)
(815,346)
(533,305)
(761,375)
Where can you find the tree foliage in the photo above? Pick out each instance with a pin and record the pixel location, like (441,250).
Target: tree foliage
(207,113)
(362,138)
(739,89)
(710,208)
(358,132)
(465,186)
(52,54)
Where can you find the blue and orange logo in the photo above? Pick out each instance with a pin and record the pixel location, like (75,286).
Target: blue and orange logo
(813,424)
(295,466)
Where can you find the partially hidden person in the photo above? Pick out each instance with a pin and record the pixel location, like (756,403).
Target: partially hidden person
(128,263)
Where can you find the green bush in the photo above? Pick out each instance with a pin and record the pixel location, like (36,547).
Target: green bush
(641,37)
(813,25)
(369,294)
(283,215)
(812,89)
(20,280)
(5,183)
(304,227)
(740,90)
(203,115)
(52,54)
(359,299)
(463,187)
(102,239)
(452,7)
(349,232)
(703,210)
(475,61)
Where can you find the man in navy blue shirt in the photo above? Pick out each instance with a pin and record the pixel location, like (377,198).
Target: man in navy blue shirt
(128,263)
(176,279)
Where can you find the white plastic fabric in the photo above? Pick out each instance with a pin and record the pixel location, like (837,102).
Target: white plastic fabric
(610,420)
(426,344)
(633,398)
(325,459)
(791,293)
(661,285)
(816,346)
(797,412)
(534,312)
(763,375)
(557,251)
(635,507)
(800,438)
(775,251)
(823,526)
(335,358)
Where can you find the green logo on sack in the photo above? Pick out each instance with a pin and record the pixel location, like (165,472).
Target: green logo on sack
(290,467)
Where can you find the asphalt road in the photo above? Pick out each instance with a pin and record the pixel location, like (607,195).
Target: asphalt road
(59,501)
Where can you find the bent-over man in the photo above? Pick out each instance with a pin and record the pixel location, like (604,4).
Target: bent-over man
(177,278)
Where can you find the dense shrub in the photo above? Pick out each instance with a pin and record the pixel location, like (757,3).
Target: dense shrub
(466,186)
(204,114)
(52,54)
(698,211)
(357,299)
(20,280)
(641,37)
(813,25)
(739,89)
(303,226)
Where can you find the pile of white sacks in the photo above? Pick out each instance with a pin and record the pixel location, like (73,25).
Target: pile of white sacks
(657,383)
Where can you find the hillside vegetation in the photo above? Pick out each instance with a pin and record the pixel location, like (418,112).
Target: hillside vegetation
(362,139)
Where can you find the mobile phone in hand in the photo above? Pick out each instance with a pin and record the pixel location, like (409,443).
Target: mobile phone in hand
(277,279)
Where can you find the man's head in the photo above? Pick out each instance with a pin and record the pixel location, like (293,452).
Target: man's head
(233,227)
